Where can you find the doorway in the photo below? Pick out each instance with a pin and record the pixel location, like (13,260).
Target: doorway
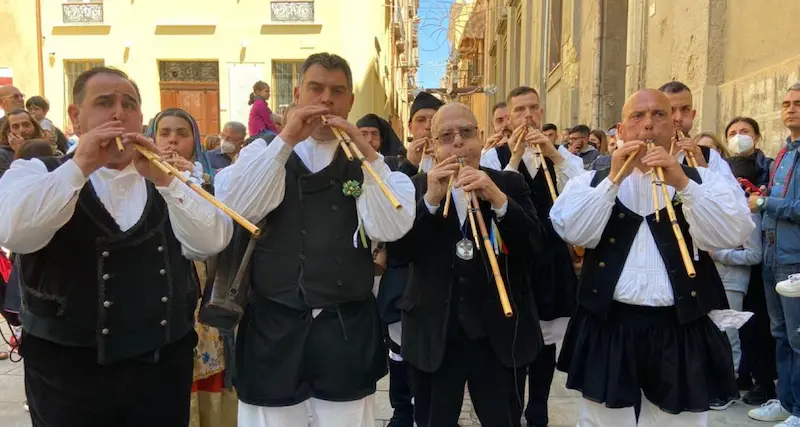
(192,86)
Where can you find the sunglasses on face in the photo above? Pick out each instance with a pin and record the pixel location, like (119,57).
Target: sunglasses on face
(466,132)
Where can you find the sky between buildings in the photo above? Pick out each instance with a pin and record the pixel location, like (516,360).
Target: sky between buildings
(433,45)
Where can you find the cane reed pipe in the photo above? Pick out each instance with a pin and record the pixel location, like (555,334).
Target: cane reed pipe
(343,140)
(375,177)
(172,170)
(546,169)
(487,244)
(424,147)
(120,147)
(676,229)
(449,196)
(618,177)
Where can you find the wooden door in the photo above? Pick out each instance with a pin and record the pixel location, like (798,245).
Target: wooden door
(201,101)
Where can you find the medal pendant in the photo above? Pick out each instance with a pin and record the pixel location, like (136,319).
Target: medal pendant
(465,249)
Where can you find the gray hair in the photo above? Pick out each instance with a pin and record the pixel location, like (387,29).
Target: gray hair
(236,127)
(794,87)
(330,62)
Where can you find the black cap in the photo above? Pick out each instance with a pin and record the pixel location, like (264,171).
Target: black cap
(424,100)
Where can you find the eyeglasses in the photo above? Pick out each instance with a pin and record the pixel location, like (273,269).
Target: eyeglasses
(466,132)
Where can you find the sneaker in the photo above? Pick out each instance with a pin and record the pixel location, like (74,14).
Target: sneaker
(720,405)
(757,395)
(770,411)
(792,421)
(789,287)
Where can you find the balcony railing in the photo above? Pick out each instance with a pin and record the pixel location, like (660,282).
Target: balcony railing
(82,13)
(292,11)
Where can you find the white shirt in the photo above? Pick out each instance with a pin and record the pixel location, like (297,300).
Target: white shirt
(37,203)
(571,167)
(255,185)
(581,213)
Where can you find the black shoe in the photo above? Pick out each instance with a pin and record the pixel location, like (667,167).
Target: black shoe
(744,382)
(758,396)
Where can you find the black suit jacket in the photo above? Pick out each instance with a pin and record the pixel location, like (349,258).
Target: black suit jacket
(430,249)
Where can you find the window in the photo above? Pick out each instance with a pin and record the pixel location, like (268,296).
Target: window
(82,11)
(554,43)
(292,10)
(74,68)
(285,77)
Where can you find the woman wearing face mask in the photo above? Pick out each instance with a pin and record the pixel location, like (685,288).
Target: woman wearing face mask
(213,401)
(740,270)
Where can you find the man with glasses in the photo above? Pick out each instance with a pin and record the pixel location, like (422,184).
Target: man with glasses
(579,145)
(454,329)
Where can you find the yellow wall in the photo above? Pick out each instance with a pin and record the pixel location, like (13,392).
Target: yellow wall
(350,28)
(18,35)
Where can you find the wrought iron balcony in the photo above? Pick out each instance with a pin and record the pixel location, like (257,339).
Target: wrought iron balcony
(82,13)
(292,11)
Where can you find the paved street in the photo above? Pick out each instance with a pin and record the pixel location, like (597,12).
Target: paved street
(562,403)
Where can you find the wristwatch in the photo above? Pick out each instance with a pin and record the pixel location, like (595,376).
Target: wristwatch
(760,203)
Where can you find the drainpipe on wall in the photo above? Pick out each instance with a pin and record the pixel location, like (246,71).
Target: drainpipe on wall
(545,56)
(597,68)
(39,58)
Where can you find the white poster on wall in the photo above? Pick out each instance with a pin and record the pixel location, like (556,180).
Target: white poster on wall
(242,78)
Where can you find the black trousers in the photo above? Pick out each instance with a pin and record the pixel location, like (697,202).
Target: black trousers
(400,395)
(758,345)
(438,396)
(66,387)
(540,378)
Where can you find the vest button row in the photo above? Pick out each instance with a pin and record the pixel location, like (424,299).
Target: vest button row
(160,249)
(302,256)
(164,299)
(693,293)
(162,272)
(601,264)
(106,276)
(621,215)
(334,207)
(303,232)
(339,283)
(163,323)
(107,304)
(105,331)
(105,254)
(612,240)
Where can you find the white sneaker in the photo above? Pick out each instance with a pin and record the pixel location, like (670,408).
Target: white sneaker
(790,422)
(770,411)
(789,287)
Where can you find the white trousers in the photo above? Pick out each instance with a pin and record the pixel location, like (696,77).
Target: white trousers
(322,413)
(592,414)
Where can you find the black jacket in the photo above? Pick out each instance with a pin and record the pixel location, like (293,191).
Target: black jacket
(430,249)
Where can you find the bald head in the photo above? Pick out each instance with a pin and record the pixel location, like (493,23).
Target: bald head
(455,129)
(11,98)
(646,115)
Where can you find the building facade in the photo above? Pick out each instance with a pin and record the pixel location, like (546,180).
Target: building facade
(204,56)
(586,56)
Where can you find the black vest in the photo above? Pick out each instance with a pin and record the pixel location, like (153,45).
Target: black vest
(124,293)
(553,278)
(603,265)
(305,257)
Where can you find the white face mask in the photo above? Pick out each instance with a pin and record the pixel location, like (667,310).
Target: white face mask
(227,147)
(740,144)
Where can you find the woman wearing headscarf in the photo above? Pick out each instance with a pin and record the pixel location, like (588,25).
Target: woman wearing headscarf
(391,275)
(213,402)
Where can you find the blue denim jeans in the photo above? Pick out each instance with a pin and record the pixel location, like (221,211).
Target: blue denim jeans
(784,318)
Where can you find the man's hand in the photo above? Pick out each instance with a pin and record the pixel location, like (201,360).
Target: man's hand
(673,172)
(302,122)
(471,179)
(355,135)
(621,155)
(752,202)
(15,141)
(438,178)
(416,149)
(688,145)
(547,148)
(497,140)
(575,148)
(94,147)
(145,168)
